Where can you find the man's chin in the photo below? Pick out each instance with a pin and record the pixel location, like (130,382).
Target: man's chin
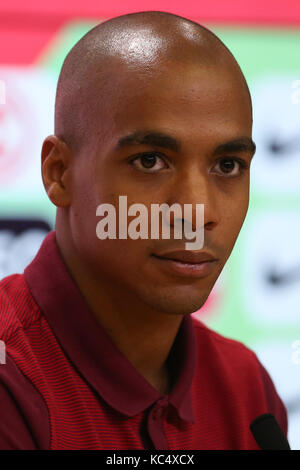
(174,303)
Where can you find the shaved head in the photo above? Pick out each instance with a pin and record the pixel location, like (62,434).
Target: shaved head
(128,50)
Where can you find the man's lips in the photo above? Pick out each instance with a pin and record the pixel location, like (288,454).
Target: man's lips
(187,263)
(187,257)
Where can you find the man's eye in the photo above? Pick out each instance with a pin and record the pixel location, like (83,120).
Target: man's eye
(232,166)
(149,162)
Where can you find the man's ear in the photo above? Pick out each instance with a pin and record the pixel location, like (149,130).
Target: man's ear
(56,162)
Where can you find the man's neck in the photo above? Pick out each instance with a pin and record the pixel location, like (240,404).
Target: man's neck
(146,345)
(163,384)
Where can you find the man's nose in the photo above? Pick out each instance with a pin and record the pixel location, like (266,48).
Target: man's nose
(195,188)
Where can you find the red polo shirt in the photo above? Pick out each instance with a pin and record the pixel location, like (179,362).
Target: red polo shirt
(65,385)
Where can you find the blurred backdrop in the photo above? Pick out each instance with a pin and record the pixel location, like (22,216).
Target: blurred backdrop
(256,299)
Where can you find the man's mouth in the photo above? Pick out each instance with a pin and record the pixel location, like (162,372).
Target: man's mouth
(186,263)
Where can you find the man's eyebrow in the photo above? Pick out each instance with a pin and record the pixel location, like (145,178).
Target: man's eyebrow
(242,144)
(158,139)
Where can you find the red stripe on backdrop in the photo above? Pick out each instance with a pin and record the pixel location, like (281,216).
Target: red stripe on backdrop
(27,27)
(268,11)
(22,47)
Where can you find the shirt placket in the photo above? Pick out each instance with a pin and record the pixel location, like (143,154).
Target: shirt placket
(155,424)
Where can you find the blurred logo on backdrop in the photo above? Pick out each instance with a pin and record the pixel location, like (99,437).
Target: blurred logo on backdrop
(20,239)
(14,126)
(276,132)
(24,121)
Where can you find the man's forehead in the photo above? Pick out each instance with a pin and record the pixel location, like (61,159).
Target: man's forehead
(189,100)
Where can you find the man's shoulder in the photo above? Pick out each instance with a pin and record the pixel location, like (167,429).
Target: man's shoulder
(18,308)
(20,400)
(237,364)
(234,361)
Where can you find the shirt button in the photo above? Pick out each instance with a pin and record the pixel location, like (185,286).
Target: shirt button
(162,402)
(160,407)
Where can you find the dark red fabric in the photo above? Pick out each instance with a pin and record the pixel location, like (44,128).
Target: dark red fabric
(65,385)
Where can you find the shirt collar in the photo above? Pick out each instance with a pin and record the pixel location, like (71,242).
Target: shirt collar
(92,351)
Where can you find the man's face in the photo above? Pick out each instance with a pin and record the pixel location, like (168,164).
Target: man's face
(201,108)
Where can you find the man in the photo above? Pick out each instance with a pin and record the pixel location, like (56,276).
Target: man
(101,350)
